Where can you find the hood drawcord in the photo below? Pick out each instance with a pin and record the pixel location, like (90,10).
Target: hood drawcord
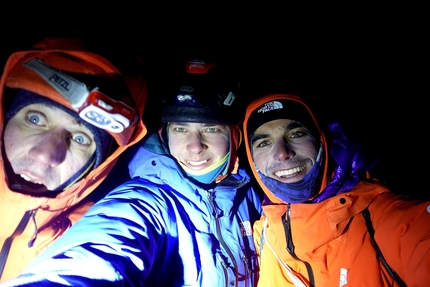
(4,253)
(36,230)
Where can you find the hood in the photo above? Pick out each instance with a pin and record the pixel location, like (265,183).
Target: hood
(294,98)
(70,57)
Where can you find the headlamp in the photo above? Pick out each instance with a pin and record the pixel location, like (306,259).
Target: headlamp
(92,106)
(105,113)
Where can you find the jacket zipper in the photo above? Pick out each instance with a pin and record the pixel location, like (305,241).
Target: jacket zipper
(247,268)
(290,245)
(219,234)
(18,231)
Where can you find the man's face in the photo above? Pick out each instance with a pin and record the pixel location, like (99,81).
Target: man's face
(45,145)
(198,146)
(283,150)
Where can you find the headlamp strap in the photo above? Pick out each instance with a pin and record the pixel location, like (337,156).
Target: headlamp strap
(92,106)
(73,90)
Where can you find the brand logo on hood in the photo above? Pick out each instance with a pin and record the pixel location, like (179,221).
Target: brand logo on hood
(270,106)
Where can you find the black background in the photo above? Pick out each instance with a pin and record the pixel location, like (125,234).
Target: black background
(363,66)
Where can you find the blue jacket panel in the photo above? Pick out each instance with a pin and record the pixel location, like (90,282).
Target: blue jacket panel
(159,229)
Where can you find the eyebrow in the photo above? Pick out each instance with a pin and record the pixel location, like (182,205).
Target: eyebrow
(290,126)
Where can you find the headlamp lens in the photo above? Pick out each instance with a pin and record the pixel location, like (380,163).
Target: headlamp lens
(105,113)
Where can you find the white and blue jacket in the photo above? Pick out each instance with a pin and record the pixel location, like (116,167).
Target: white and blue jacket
(158,229)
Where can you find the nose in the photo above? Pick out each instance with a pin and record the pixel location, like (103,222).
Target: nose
(50,147)
(282,151)
(195,143)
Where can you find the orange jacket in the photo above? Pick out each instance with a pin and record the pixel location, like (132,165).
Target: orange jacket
(45,219)
(331,242)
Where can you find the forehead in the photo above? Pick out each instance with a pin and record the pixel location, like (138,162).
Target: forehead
(278,125)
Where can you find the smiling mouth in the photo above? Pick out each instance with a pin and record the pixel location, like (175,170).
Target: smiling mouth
(197,163)
(288,172)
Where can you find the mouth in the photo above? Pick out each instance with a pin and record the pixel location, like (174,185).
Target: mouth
(28,179)
(24,184)
(289,172)
(197,163)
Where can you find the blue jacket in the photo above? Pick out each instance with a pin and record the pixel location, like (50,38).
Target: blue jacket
(158,229)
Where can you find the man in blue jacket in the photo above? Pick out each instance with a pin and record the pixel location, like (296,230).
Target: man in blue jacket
(185,218)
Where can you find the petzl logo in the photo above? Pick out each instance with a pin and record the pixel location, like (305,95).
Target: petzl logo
(59,81)
(270,106)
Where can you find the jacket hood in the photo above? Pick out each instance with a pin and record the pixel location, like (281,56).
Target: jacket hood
(70,57)
(310,121)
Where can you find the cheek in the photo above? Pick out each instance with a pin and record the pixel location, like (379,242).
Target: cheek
(174,149)
(308,150)
(72,164)
(14,140)
(220,146)
(223,146)
(259,161)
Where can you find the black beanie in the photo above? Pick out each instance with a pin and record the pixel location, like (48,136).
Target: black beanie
(280,109)
(102,138)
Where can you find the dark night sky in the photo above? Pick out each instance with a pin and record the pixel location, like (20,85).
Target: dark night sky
(364,68)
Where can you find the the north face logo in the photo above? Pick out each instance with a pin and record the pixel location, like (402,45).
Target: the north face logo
(270,106)
(245,228)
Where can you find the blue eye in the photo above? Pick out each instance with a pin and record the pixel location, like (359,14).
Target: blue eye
(81,139)
(34,119)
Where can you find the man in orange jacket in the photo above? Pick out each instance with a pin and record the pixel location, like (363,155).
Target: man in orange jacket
(326,222)
(67,115)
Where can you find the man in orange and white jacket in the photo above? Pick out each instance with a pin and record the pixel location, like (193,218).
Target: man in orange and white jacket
(326,222)
(67,115)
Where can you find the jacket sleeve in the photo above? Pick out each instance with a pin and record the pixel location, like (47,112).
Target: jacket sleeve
(114,244)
